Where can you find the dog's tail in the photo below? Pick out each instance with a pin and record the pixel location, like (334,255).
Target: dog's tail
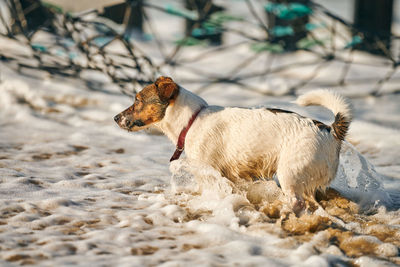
(339,105)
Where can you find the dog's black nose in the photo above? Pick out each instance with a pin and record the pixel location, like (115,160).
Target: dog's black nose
(117,118)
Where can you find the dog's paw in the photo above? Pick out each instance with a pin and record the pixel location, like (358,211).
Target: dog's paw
(298,207)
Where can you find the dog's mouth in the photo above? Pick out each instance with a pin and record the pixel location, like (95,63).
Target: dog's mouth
(134,126)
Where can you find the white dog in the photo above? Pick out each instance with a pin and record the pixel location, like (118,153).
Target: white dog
(246,143)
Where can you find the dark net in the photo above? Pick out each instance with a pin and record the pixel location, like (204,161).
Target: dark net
(271,47)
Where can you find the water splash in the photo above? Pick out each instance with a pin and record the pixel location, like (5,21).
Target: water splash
(358,180)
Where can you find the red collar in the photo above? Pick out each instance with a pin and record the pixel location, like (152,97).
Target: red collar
(180,146)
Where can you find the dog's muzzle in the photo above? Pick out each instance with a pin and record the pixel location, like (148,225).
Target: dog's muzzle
(128,123)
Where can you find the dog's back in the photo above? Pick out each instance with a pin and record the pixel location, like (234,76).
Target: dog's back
(250,143)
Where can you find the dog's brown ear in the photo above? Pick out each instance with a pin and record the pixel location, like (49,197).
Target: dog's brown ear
(167,88)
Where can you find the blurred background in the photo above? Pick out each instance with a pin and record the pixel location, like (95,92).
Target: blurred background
(276,47)
(77,190)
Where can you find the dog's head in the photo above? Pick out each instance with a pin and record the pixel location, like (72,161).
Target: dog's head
(149,106)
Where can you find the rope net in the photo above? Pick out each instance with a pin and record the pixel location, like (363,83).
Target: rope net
(265,46)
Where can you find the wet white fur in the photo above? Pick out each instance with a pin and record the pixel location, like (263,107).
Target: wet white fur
(304,157)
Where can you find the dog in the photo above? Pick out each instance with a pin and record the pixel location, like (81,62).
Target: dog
(244,144)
